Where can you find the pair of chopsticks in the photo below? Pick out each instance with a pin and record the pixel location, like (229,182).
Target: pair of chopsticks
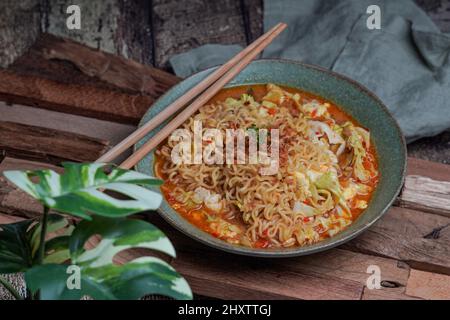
(202,93)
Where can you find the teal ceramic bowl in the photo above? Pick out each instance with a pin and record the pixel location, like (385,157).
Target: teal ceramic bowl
(353,98)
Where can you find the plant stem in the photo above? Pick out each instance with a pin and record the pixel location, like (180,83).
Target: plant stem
(41,250)
(10,289)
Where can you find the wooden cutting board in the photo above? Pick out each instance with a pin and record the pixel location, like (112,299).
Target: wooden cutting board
(82,104)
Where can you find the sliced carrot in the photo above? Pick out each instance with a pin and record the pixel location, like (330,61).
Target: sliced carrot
(272,111)
(261,243)
(367,164)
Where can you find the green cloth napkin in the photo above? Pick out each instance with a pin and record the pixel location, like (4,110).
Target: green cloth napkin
(406,63)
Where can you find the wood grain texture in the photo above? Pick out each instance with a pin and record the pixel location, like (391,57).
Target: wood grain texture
(180,26)
(83,100)
(252,11)
(117,71)
(240,279)
(6,218)
(386,295)
(94,128)
(105,26)
(110,88)
(48,144)
(432,170)
(420,239)
(425,194)
(21,164)
(427,285)
(19,28)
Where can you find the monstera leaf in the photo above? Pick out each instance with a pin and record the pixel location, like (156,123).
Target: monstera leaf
(15,250)
(19,242)
(80,190)
(99,276)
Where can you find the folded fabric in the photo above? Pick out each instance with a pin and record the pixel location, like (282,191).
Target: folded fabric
(406,63)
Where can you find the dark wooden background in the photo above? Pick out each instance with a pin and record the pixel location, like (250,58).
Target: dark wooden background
(150,32)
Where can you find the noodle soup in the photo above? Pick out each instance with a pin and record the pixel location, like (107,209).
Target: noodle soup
(327,171)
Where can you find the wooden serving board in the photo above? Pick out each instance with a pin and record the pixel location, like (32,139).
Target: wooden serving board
(410,244)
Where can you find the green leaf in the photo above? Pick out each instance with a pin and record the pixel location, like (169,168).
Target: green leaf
(110,282)
(117,235)
(15,249)
(57,250)
(146,275)
(100,278)
(19,242)
(51,281)
(80,190)
(55,222)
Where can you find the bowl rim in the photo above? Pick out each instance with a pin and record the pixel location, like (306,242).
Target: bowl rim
(203,237)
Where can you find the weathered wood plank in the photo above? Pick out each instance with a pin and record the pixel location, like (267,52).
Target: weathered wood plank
(253,14)
(6,218)
(135,39)
(179,26)
(105,26)
(95,128)
(113,88)
(122,73)
(225,276)
(19,28)
(386,295)
(420,239)
(427,285)
(48,143)
(425,194)
(21,164)
(16,203)
(432,170)
(77,99)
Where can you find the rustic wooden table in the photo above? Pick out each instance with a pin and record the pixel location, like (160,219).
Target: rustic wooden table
(63,101)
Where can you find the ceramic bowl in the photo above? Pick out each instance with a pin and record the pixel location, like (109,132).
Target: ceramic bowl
(353,98)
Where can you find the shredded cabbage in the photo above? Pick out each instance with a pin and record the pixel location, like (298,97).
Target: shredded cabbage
(357,137)
(244,101)
(276,95)
(315,108)
(361,204)
(269,104)
(355,188)
(304,209)
(330,182)
(333,136)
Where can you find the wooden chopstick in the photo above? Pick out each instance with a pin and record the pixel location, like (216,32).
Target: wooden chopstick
(199,101)
(182,101)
